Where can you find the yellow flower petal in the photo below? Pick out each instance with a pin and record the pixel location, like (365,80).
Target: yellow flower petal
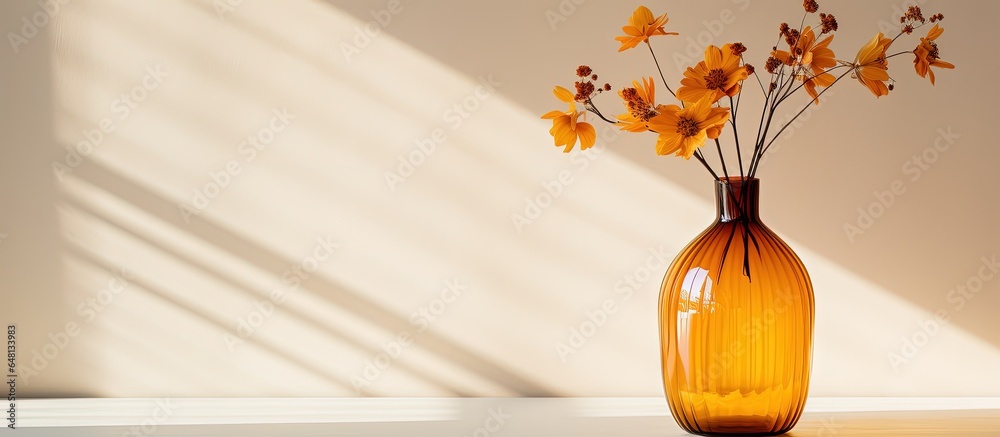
(563,94)
(587,134)
(667,144)
(553,114)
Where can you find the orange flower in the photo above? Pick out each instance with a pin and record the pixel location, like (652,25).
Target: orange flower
(682,131)
(641,26)
(718,75)
(640,100)
(565,127)
(815,58)
(927,54)
(871,67)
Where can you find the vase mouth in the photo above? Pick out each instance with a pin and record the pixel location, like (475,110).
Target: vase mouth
(737,180)
(737,198)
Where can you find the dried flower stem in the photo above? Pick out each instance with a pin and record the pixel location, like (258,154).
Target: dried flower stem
(660,70)
(804,81)
(736,133)
(722,158)
(768,146)
(592,108)
(701,158)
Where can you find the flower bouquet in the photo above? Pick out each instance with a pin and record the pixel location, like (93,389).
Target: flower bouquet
(708,97)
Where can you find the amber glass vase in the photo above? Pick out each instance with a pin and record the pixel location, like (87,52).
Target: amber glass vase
(736,324)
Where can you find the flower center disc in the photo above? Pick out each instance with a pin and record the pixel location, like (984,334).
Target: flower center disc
(716,80)
(687,127)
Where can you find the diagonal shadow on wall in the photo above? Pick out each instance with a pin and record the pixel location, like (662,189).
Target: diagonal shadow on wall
(132,192)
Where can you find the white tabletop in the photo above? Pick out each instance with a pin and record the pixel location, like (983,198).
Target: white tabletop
(478,417)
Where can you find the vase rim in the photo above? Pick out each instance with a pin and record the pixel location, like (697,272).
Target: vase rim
(736,179)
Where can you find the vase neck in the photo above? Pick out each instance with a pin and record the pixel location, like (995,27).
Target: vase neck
(737,198)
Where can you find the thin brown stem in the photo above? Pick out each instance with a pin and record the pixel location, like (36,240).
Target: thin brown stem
(762,90)
(781,90)
(701,158)
(769,109)
(736,134)
(590,107)
(792,75)
(804,83)
(660,70)
(901,33)
(777,135)
(760,125)
(722,159)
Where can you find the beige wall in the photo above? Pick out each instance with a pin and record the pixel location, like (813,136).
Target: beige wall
(360,266)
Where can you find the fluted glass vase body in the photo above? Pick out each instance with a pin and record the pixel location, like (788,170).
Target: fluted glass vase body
(736,324)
